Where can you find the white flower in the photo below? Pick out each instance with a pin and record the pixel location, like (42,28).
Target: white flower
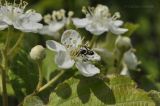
(71,51)
(14,14)
(99,20)
(55,22)
(130,60)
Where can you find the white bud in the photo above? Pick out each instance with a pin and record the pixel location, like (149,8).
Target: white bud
(37,53)
(123,44)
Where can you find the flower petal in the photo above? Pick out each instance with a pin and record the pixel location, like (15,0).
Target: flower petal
(63,60)
(56,26)
(114,27)
(96,29)
(118,31)
(118,23)
(124,70)
(131,60)
(33,16)
(80,23)
(71,38)
(31,26)
(45,30)
(3,25)
(94,57)
(87,69)
(55,46)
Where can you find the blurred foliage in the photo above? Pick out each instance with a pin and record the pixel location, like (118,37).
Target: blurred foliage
(145,17)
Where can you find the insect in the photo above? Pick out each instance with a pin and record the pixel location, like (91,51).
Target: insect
(73,41)
(84,50)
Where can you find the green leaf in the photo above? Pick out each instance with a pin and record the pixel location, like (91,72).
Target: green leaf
(155,95)
(23,75)
(49,65)
(33,101)
(131,28)
(80,90)
(127,94)
(119,91)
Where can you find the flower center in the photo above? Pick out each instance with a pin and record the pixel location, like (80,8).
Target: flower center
(100,13)
(56,16)
(81,53)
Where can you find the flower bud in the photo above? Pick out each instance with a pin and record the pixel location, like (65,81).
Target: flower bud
(37,53)
(123,44)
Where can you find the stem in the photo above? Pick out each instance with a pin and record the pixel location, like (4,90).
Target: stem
(16,44)
(51,81)
(118,57)
(8,38)
(44,87)
(93,40)
(40,81)
(4,69)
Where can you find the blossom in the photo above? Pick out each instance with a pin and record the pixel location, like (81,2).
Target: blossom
(130,62)
(14,14)
(71,51)
(55,22)
(99,20)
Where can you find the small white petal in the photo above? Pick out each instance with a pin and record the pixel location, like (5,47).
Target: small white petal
(125,70)
(7,15)
(118,31)
(80,23)
(96,29)
(94,57)
(118,23)
(33,16)
(63,60)
(71,38)
(131,60)
(31,26)
(87,69)
(56,26)
(3,25)
(55,46)
(114,27)
(45,30)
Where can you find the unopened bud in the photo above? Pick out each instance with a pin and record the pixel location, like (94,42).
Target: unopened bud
(37,53)
(123,44)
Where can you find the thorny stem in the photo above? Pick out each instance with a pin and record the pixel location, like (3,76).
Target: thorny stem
(16,44)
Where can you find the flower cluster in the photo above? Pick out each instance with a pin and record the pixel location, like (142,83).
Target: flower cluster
(99,20)
(14,14)
(55,22)
(72,49)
